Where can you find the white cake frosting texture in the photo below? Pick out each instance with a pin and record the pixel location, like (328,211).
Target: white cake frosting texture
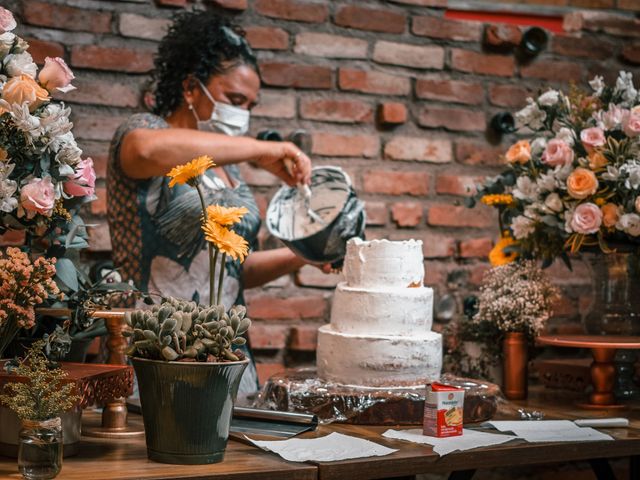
(380,331)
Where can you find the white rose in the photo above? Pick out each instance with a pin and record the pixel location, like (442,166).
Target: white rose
(538,146)
(547,182)
(630,224)
(531,115)
(549,98)
(522,227)
(6,42)
(566,135)
(553,202)
(526,189)
(17,64)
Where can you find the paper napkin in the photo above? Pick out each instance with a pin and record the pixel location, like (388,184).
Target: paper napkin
(443,446)
(330,448)
(548,431)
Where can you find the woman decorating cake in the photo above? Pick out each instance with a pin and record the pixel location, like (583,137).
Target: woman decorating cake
(207,81)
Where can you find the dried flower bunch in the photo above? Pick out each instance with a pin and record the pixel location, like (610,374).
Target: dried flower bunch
(180,330)
(577,182)
(516,297)
(23,285)
(42,173)
(44,394)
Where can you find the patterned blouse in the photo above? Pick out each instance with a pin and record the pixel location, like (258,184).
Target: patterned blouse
(155,230)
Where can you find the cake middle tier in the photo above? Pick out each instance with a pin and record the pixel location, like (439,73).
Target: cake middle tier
(379,360)
(382,311)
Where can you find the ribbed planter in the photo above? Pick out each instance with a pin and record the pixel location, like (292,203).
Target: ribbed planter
(187,408)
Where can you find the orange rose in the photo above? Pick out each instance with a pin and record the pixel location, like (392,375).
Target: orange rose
(24,89)
(582,183)
(597,160)
(519,152)
(610,214)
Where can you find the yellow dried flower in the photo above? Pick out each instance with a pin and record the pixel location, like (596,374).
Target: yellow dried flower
(225,215)
(497,255)
(497,199)
(190,171)
(225,240)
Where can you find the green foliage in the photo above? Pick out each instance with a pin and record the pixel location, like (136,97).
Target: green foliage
(179,330)
(44,394)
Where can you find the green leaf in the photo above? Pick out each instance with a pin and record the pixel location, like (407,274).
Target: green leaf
(67,273)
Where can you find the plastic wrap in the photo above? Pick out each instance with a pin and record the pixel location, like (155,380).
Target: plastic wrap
(302,391)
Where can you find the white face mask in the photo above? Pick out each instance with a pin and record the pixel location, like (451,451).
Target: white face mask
(225,118)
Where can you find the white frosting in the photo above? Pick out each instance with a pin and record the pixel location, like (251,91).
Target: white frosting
(383,263)
(381,319)
(387,311)
(379,360)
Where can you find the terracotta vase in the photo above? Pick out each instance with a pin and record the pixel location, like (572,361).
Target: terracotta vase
(514,380)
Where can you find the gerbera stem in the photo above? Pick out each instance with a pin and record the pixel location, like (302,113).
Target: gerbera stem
(221,277)
(212,257)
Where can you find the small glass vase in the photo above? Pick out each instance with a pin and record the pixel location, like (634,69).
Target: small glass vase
(615,309)
(40,449)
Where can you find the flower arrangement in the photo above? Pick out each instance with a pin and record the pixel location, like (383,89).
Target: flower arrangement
(44,395)
(516,297)
(576,183)
(24,284)
(42,172)
(180,330)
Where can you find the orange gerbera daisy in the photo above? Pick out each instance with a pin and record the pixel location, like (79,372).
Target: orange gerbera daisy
(225,240)
(225,215)
(497,256)
(190,171)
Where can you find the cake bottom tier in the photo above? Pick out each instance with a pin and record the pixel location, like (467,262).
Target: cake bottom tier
(379,360)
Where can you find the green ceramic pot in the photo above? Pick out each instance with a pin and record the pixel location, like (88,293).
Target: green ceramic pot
(187,408)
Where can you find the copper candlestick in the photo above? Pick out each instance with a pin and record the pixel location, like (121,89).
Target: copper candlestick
(114,414)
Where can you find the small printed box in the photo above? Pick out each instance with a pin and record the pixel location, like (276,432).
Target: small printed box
(443,410)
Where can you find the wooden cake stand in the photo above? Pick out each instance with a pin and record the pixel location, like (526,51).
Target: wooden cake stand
(603,371)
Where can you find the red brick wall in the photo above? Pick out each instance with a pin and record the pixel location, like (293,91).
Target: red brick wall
(391,91)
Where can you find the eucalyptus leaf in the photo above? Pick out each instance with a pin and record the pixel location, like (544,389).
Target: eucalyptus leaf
(67,273)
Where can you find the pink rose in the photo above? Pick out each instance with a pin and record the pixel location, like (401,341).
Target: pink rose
(7,22)
(592,138)
(38,196)
(56,75)
(631,124)
(586,219)
(557,153)
(83,181)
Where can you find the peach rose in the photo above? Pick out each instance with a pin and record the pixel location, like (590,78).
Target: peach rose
(631,124)
(56,75)
(582,183)
(586,219)
(83,181)
(636,204)
(24,89)
(7,22)
(557,153)
(597,160)
(38,196)
(519,152)
(592,138)
(610,214)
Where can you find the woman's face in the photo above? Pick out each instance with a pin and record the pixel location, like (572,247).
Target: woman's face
(238,87)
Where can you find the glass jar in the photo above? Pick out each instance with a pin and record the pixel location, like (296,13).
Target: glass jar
(40,449)
(615,307)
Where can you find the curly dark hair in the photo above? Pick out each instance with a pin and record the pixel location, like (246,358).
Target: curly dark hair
(201,44)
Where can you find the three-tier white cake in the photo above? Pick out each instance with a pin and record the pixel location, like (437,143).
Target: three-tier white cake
(380,331)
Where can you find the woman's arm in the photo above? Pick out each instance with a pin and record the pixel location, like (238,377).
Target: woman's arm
(147,153)
(264,266)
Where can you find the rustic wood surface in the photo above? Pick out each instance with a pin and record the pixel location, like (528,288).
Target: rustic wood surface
(102,459)
(413,459)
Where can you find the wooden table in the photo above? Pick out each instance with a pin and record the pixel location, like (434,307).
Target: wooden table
(102,459)
(603,370)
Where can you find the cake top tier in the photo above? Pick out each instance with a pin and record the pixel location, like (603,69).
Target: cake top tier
(384,263)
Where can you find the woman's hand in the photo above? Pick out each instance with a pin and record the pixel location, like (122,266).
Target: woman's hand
(285,160)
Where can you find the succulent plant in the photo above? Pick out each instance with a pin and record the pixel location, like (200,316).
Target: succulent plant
(182,330)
